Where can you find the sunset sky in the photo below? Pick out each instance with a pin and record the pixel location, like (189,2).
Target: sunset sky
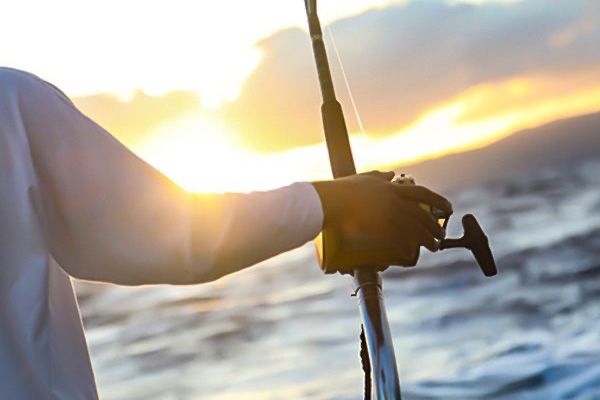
(224,96)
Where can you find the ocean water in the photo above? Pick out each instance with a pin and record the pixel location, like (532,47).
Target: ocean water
(282,330)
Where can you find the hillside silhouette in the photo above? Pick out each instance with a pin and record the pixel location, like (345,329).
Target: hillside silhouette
(560,143)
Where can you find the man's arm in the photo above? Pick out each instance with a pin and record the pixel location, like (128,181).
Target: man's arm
(109,216)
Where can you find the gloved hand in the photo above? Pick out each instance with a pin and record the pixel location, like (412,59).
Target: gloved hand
(371,204)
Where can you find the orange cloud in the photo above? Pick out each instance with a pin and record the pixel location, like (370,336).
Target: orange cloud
(400,70)
(479,73)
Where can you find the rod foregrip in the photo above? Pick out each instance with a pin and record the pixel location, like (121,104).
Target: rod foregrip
(338,143)
(334,123)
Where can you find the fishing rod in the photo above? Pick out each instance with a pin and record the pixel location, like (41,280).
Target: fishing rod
(337,254)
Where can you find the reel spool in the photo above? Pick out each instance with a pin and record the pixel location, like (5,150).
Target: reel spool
(342,251)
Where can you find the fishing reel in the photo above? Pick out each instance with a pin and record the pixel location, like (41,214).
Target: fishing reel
(343,252)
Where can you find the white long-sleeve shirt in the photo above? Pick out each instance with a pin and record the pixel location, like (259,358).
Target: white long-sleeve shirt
(74,201)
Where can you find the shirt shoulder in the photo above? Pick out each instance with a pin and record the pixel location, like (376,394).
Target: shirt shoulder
(10,78)
(22,83)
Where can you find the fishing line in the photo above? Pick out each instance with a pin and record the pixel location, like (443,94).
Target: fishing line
(329,34)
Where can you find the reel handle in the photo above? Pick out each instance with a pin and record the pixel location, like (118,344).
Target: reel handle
(474,239)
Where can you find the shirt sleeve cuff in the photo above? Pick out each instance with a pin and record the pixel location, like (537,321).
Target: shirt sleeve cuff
(313,209)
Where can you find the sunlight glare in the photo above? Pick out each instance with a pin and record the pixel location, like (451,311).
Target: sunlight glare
(199,154)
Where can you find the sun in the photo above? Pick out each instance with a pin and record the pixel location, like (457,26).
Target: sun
(196,152)
(200,154)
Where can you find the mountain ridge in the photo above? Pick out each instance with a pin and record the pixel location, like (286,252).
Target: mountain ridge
(562,142)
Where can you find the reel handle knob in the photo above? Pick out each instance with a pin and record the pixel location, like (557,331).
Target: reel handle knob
(475,240)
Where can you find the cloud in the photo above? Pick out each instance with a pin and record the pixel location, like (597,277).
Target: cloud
(403,60)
